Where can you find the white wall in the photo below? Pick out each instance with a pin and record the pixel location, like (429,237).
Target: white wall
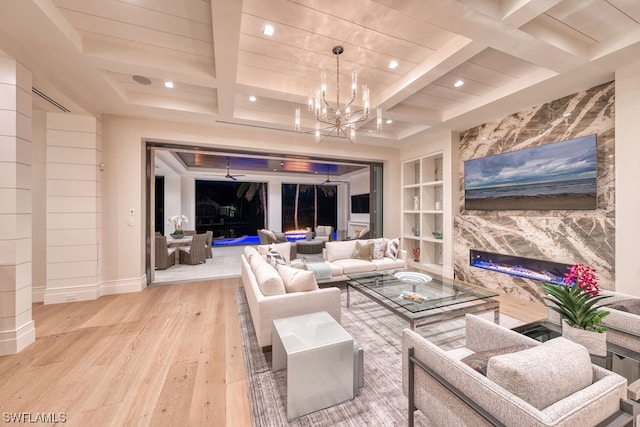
(359,184)
(39,205)
(124,180)
(172,200)
(627,176)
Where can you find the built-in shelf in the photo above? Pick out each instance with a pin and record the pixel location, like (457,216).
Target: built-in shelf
(423,209)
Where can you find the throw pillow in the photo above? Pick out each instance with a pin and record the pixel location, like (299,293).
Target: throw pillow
(539,375)
(393,246)
(363,250)
(274,258)
(280,237)
(630,306)
(480,360)
(296,280)
(298,263)
(379,246)
(284,249)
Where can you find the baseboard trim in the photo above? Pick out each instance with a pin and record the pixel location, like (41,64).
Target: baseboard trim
(94,291)
(12,342)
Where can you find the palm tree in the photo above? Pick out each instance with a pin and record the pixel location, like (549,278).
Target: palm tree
(249,190)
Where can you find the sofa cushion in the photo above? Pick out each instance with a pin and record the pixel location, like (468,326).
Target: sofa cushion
(379,246)
(269,281)
(296,280)
(393,247)
(540,375)
(352,265)
(249,251)
(363,250)
(388,264)
(339,250)
(255,261)
(274,258)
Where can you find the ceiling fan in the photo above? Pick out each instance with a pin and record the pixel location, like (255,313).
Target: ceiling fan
(228,175)
(329,181)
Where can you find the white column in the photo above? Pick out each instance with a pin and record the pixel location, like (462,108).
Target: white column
(627,177)
(188,201)
(17,329)
(74,208)
(274,205)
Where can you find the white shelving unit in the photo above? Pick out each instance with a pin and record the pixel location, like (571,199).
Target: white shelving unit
(422,211)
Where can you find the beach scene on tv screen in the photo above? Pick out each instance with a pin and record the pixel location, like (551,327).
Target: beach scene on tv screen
(560,175)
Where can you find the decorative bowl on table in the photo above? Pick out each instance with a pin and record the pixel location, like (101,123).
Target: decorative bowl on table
(437,234)
(177,235)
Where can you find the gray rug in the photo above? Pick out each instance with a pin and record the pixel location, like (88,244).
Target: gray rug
(381,401)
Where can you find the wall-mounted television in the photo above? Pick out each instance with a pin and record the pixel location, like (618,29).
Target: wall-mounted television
(360,203)
(560,175)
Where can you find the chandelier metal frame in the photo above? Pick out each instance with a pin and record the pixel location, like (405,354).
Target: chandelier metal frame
(335,119)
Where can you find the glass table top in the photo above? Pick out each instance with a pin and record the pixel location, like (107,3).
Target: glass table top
(415,292)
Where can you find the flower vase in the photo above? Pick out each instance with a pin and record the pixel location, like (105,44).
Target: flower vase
(595,342)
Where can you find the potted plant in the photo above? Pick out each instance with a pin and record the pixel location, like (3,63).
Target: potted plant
(579,303)
(177,221)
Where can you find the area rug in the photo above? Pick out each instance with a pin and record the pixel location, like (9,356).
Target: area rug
(380,402)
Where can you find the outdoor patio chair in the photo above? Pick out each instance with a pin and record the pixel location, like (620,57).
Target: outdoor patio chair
(196,253)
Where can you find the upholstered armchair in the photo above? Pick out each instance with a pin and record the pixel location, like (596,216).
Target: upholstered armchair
(165,256)
(267,237)
(194,254)
(502,377)
(324,233)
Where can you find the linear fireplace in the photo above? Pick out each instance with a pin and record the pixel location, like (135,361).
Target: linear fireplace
(529,268)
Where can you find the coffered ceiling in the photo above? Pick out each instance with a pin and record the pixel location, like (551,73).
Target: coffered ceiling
(86,54)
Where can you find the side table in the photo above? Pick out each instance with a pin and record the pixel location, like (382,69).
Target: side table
(319,357)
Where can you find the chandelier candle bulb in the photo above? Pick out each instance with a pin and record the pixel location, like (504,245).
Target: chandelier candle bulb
(337,119)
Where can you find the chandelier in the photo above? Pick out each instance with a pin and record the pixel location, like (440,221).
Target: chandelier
(338,119)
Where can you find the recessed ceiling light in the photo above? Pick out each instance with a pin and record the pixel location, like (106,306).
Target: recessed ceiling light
(141,79)
(393,64)
(268,30)
(458,83)
(168,84)
(566,114)
(389,121)
(252,98)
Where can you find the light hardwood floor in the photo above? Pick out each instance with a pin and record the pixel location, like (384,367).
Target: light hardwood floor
(167,356)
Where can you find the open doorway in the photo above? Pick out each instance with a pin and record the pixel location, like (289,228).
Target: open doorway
(178,169)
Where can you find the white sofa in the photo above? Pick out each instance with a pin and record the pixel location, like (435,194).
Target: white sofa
(269,299)
(339,256)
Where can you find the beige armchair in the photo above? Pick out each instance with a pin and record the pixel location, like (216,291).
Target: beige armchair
(551,383)
(165,256)
(324,233)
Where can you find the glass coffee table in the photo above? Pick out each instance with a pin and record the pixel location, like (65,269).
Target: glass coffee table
(420,301)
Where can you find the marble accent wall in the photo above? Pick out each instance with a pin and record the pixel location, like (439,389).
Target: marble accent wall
(565,236)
